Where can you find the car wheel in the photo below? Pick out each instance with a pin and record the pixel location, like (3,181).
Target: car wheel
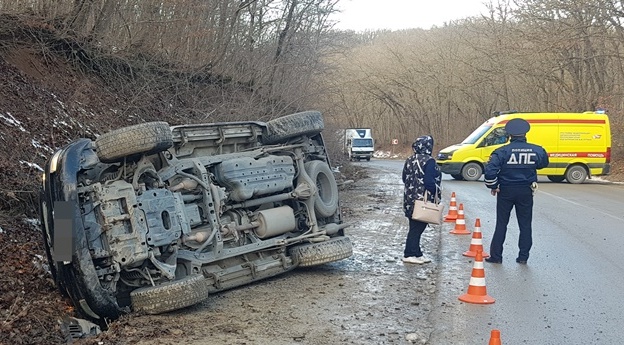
(170,296)
(576,174)
(313,254)
(144,138)
(457,176)
(326,198)
(289,126)
(556,178)
(472,171)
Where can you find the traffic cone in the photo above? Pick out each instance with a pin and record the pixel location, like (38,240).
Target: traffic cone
(460,223)
(477,292)
(452,213)
(495,338)
(476,243)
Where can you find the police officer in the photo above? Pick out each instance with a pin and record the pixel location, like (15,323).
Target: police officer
(511,176)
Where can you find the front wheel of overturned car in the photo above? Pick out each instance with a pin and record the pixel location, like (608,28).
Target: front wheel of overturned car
(144,138)
(313,254)
(326,198)
(289,126)
(170,296)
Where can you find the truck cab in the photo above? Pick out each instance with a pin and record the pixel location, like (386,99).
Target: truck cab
(359,144)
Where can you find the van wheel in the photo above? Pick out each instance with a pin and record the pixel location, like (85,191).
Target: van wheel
(472,171)
(576,174)
(556,178)
(457,176)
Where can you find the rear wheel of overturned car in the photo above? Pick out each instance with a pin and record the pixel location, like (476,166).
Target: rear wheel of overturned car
(556,178)
(326,198)
(144,138)
(472,171)
(289,126)
(313,254)
(170,296)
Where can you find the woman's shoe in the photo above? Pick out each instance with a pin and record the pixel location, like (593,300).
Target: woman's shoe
(412,260)
(423,259)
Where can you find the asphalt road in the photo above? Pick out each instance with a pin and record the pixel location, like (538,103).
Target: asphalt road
(570,292)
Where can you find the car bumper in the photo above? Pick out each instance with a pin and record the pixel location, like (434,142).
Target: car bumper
(361,155)
(77,276)
(451,168)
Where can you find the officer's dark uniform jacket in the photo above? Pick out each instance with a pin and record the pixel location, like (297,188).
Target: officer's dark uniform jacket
(514,164)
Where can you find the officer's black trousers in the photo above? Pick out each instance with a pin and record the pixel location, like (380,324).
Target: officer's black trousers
(520,197)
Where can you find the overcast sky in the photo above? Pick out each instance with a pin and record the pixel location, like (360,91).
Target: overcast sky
(360,15)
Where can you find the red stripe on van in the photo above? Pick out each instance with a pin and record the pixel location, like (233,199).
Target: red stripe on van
(559,121)
(579,154)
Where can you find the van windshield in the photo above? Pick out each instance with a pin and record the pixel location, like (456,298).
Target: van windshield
(362,143)
(477,134)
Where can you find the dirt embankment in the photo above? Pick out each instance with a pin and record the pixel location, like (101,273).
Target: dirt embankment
(47,99)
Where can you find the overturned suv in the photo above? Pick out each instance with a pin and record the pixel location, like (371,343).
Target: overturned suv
(153,218)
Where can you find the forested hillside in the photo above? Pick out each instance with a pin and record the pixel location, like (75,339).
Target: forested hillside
(537,56)
(73,68)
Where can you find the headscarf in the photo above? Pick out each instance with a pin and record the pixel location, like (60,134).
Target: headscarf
(423,145)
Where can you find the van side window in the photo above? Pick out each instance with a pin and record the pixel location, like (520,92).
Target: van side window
(497,137)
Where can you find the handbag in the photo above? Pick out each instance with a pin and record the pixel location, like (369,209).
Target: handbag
(428,212)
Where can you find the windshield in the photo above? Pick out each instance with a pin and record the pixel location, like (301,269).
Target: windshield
(362,143)
(477,134)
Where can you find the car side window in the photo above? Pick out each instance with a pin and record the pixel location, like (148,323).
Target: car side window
(497,137)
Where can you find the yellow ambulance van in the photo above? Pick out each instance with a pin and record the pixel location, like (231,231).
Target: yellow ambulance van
(578,145)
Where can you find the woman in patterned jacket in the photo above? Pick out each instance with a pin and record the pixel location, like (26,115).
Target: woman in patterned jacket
(420,173)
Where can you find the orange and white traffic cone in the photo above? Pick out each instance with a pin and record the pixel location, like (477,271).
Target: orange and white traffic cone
(476,243)
(452,213)
(477,292)
(460,223)
(495,338)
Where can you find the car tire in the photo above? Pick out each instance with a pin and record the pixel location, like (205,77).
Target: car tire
(556,178)
(576,174)
(289,126)
(471,171)
(326,198)
(144,138)
(314,254)
(170,296)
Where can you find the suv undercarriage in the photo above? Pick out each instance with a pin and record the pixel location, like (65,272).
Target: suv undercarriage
(153,218)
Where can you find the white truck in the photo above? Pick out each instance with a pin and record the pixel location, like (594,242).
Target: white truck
(359,143)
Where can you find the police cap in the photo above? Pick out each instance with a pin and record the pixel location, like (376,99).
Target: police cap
(517,127)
